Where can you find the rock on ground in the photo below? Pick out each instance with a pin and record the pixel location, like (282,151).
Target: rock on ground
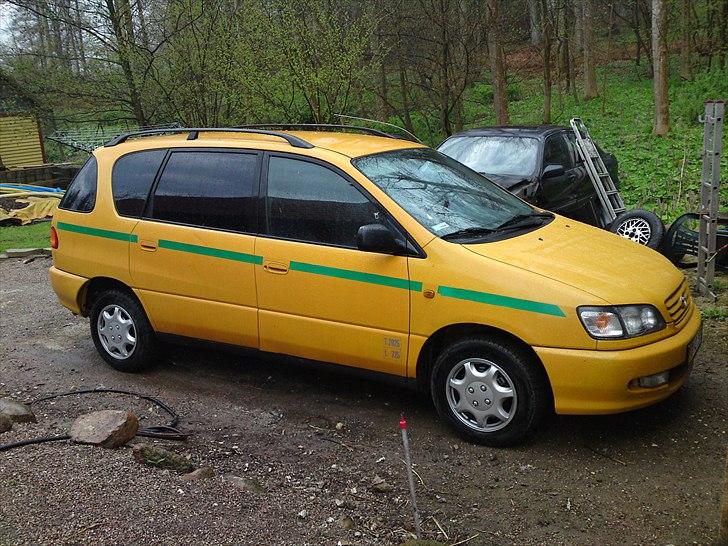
(20,413)
(106,428)
(152,455)
(199,474)
(6,423)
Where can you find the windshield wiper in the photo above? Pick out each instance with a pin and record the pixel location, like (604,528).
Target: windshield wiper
(525,220)
(467,233)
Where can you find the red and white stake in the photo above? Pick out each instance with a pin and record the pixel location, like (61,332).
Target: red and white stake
(410,478)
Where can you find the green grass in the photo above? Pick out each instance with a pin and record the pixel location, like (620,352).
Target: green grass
(30,236)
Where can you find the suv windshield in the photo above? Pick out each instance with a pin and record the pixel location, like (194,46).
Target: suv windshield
(446,197)
(502,155)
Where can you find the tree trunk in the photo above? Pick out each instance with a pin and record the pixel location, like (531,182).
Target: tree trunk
(723,35)
(686,46)
(497,65)
(124,60)
(404,89)
(590,77)
(546,62)
(534,23)
(659,54)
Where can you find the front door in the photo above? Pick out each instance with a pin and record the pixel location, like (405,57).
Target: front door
(193,260)
(319,297)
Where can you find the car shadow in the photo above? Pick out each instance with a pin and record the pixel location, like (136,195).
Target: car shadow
(212,367)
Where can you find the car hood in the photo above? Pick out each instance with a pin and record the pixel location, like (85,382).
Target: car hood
(507,181)
(595,261)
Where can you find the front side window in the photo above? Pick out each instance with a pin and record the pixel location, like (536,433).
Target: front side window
(132,178)
(556,152)
(208,189)
(444,196)
(309,202)
(496,155)
(81,193)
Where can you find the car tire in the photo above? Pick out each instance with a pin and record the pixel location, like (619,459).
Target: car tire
(641,226)
(121,331)
(490,390)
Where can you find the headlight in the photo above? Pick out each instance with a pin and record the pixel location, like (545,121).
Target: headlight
(620,322)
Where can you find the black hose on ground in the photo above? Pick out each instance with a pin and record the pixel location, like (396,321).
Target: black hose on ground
(164,432)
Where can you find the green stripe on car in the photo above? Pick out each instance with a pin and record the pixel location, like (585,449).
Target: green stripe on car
(348,274)
(96,232)
(209,251)
(501,301)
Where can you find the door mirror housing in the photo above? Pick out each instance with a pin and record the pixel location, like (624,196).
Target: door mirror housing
(378,238)
(552,171)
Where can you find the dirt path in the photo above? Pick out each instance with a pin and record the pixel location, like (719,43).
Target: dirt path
(649,477)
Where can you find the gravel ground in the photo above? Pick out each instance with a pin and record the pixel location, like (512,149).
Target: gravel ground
(648,477)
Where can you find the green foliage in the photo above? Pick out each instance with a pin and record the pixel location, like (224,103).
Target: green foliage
(30,236)
(715,313)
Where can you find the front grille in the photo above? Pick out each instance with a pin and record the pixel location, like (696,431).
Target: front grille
(678,303)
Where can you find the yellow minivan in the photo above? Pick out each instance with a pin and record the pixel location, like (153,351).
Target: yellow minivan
(373,252)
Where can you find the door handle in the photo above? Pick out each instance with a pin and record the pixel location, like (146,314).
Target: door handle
(149,246)
(276,267)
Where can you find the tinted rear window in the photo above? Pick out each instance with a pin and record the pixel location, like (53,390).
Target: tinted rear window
(208,189)
(81,193)
(131,180)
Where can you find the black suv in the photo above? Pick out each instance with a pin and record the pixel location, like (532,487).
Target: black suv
(537,163)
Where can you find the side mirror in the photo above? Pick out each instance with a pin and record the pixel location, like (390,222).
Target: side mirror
(552,171)
(378,238)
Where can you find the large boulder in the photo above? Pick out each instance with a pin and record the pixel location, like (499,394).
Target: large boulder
(20,413)
(6,423)
(106,428)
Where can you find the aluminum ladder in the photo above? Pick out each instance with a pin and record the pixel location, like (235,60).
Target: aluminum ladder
(709,197)
(609,197)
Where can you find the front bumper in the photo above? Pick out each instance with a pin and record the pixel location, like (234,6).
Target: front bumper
(593,382)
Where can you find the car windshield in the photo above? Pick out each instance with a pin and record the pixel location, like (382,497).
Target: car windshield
(498,155)
(443,195)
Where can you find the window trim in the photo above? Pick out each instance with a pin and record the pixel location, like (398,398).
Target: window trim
(96,190)
(152,185)
(415,250)
(255,187)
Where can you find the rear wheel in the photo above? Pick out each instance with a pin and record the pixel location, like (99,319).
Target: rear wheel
(641,226)
(121,331)
(489,390)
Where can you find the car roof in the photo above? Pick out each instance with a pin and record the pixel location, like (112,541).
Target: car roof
(348,144)
(537,131)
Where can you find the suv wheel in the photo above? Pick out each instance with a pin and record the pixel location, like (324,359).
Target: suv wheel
(489,390)
(121,331)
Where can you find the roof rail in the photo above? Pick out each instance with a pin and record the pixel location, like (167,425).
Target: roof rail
(324,126)
(194,132)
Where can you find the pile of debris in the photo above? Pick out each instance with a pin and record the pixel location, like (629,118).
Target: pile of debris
(21,204)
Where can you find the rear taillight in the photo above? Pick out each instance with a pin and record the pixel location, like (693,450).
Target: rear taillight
(54,238)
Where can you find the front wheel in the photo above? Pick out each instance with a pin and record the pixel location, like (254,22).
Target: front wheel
(121,331)
(490,391)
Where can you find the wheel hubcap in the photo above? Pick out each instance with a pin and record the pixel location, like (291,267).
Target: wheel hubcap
(481,394)
(116,332)
(635,229)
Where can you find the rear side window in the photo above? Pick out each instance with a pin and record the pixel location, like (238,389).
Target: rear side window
(81,193)
(215,190)
(309,202)
(131,180)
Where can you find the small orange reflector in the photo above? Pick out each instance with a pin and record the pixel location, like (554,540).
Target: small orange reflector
(54,238)
(602,321)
